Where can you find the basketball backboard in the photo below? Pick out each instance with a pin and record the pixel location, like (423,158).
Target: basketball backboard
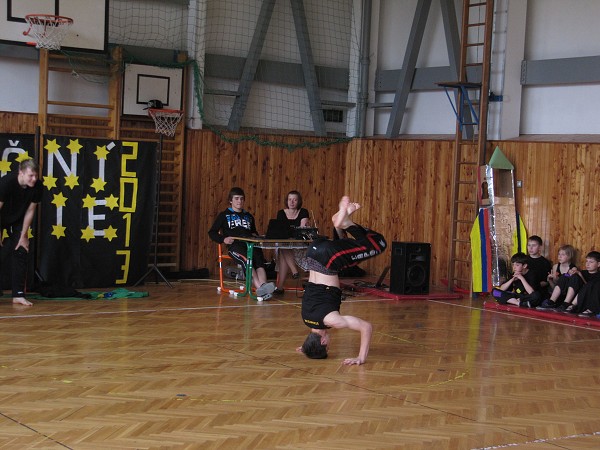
(143,83)
(90,21)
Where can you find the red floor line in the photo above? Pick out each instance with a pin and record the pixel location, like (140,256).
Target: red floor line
(550,315)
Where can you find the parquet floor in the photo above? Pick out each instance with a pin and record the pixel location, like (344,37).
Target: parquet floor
(188,368)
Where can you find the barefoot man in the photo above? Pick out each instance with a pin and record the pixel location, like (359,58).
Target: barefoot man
(323,296)
(19,195)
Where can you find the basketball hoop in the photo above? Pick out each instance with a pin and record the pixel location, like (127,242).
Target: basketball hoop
(47,30)
(166,120)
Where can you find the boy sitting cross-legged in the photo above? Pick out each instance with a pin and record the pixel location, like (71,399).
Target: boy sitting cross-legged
(523,288)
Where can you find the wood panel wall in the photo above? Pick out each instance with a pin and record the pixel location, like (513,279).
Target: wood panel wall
(404,186)
(560,196)
(266,173)
(18,122)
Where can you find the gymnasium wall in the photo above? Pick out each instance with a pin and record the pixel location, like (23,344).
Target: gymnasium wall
(404,186)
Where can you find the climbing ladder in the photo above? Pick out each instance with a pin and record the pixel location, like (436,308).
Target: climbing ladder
(471,106)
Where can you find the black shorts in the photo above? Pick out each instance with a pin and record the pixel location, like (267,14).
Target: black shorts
(318,301)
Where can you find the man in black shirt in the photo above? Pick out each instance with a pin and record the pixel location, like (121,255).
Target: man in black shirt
(19,195)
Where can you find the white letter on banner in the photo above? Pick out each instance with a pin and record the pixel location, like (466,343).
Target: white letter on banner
(56,155)
(14,148)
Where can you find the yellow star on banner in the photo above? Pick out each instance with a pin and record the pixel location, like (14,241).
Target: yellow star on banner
(4,166)
(4,233)
(23,157)
(49,181)
(101,152)
(58,231)
(112,202)
(71,180)
(51,146)
(74,146)
(98,184)
(89,202)
(29,233)
(110,233)
(59,200)
(87,234)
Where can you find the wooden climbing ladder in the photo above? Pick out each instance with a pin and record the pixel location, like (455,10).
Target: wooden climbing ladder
(470,95)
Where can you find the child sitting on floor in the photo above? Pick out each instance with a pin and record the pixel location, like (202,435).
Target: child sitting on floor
(565,291)
(523,288)
(563,268)
(587,300)
(537,264)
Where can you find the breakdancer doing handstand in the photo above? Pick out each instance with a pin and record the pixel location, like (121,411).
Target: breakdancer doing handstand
(323,296)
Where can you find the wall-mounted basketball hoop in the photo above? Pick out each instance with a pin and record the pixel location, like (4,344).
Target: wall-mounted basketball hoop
(166,120)
(47,30)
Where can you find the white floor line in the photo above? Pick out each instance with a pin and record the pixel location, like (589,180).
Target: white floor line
(541,441)
(281,303)
(186,308)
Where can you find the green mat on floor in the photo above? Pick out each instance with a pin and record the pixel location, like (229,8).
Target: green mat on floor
(113,294)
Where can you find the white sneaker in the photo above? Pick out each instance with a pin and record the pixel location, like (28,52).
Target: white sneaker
(265,289)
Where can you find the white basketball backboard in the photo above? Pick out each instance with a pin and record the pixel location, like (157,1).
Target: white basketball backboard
(144,83)
(90,21)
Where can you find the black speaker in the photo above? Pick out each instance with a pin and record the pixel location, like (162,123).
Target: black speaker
(410,268)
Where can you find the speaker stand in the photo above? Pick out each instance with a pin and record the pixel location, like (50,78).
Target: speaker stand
(379,283)
(154,266)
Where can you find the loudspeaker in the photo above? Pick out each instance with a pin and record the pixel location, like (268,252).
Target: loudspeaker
(410,268)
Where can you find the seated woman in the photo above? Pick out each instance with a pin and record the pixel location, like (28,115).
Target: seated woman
(297,216)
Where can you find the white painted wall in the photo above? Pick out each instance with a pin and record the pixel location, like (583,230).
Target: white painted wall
(426,112)
(20,89)
(20,80)
(561,29)
(554,29)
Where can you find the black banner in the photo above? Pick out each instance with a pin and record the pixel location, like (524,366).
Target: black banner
(97,211)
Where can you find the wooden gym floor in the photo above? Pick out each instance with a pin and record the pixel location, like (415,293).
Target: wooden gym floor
(189,368)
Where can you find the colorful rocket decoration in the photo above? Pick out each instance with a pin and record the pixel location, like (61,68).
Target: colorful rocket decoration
(498,231)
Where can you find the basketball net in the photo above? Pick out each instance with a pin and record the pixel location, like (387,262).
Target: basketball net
(166,120)
(47,30)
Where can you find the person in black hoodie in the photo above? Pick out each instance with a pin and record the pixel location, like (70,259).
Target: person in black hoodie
(234,222)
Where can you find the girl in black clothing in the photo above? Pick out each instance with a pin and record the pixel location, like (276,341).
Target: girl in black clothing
(297,217)
(568,286)
(563,268)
